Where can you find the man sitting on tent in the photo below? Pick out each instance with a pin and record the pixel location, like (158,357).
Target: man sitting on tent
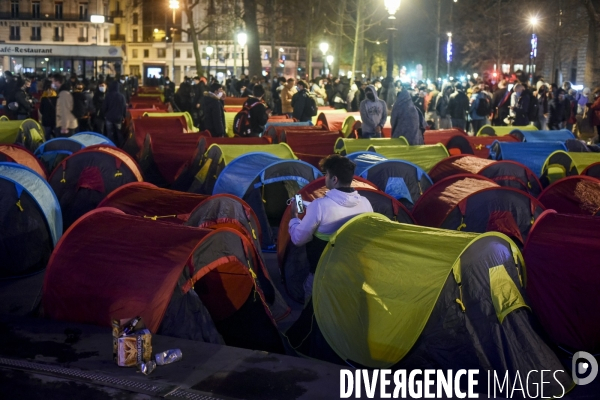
(326,215)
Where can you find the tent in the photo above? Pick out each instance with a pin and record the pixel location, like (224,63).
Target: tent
(504,173)
(423,156)
(332,119)
(532,136)
(478,146)
(219,155)
(52,152)
(184,177)
(27,133)
(400,179)
(145,200)
(293,260)
(189,122)
(265,182)
(311,147)
(144,126)
(442,136)
(182,281)
(364,160)
(592,170)
(346,146)
(91,138)
(466,204)
(31,221)
(84,178)
(561,164)
(563,279)
(488,130)
(390,295)
(573,195)
(532,155)
(20,155)
(275,131)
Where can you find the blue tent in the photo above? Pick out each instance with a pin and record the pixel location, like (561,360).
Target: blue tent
(542,136)
(92,138)
(364,160)
(532,155)
(265,182)
(52,152)
(400,179)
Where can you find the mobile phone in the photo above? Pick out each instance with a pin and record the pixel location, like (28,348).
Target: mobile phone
(510,87)
(299,204)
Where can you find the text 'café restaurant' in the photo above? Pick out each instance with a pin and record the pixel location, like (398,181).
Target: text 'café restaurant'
(88,61)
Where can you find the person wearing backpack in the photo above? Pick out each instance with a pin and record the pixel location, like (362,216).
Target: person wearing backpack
(251,121)
(214,114)
(458,107)
(480,109)
(305,106)
(22,100)
(521,107)
(66,122)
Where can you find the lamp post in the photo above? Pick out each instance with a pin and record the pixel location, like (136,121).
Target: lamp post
(173,5)
(392,7)
(533,54)
(209,51)
(329,62)
(242,40)
(324,46)
(449,52)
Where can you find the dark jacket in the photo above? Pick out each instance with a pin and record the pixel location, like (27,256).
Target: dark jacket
(24,105)
(98,101)
(419,102)
(48,111)
(258,115)
(556,113)
(501,105)
(458,105)
(405,119)
(183,102)
(301,105)
(214,115)
(114,107)
(522,109)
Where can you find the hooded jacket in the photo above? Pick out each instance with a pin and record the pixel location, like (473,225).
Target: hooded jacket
(405,119)
(372,113)
(324,216)
(114,107)
(441,103)
(214,114)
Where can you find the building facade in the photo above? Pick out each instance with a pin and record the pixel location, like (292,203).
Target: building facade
(46,36)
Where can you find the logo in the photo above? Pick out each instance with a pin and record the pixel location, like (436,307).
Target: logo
(584,364)
(113,51)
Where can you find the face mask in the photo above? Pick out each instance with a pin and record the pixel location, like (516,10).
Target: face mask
(102,89)
(122,82)
(54,86)
(370,96)
(220,94)
(167,82)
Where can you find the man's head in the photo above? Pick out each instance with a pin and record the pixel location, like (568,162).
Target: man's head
(519,88)
(369,93)
(302,84)
(57,81)
(338,170)
(290,83)
(78,87)
(377,84)
(281,80)
(216,89)
(560,94)
(26,83)
(566,86)
(258,91)
(102,87)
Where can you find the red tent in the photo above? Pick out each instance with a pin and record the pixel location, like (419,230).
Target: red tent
(311,146)
(475,145)
(166,125)
(573,195)
(21,155)
(442,136)
(274,132)
(563,277)
(592,170)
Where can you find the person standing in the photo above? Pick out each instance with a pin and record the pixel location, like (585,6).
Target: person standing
(595,110)
(288,91)
(98,121)
(521,108)
(48,109)
(441,107)
(477,111)
(66,123)
(407,120)
(301,103)
(501,104)
(373,113)
(258,113)
(214,114)
(542,120)
(458,107)
(114,109)
(23,100)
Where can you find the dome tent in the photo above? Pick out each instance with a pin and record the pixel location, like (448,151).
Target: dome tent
(20,155)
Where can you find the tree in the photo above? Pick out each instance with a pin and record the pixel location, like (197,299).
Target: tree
(251,23)
(592,68)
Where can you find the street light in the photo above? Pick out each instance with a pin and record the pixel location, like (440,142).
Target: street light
(209,52)
(533,54)
(449,51)
(173,5)
(242,40)
(329,61)
(392,7)
(324,46)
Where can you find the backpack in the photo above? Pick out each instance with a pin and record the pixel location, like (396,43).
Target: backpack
(534,108)
(242,125)
(313,108)
(484,108)
(80,107)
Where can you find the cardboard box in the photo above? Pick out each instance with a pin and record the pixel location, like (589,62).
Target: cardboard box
(134,349)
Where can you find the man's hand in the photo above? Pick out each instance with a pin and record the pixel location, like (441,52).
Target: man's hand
(378,129)
(293,210)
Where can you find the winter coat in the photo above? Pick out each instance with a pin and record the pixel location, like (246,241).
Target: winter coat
(214,115)
(114,106)
(24,105)
(301,106)
(286,99)
(475,99)
(258,115)
(458,105)
(522,109)
(48,111)
(98,101)
(595,109)
(441,103)
(405,119)
(64,109)
(556,113)
(372,113)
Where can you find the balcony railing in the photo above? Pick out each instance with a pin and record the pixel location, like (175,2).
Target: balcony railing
(24,16)
(82,39)
(58,38)
(117,37)
(36,38)
(116,14)
(14,37)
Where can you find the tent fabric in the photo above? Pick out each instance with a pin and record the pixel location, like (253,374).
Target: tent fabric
(424,156)
(442,135)
(145,200)
(293,260)
(563,289)
(41,191)
(52,152)
(414,309)
(364,160)
(275,131)
(561,164)
(573,195)
(532,155)
(287,124)
(402,180)
(478,146)
(82,180)
(592,170)
(22,156)
(530,136)
(309,146)
(31,134)
(460,164)
(345,146)
(91,138)
(488,130)
(333,119)
(165,125)
(189,126)
(241,172)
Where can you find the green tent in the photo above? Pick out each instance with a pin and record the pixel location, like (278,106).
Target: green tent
(426,156)
(218,156)
(188,118)
(561,164)
(27,133)
(391,295)
(489,130)
(345,146)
